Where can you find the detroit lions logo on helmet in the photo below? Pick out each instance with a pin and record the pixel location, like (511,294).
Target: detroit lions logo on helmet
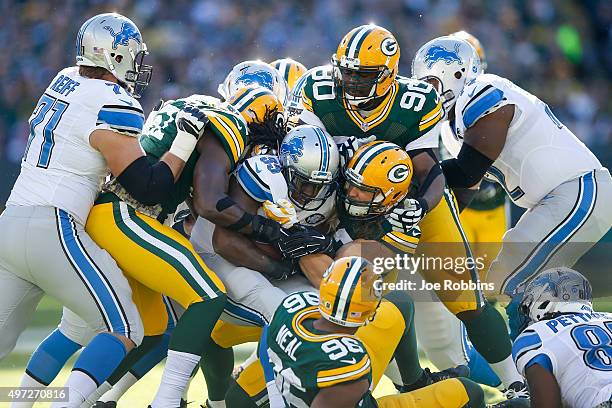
(128,31)
(437,53)
(260,78)
(292,148)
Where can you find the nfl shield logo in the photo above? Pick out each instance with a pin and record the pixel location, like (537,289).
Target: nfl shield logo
(364,126)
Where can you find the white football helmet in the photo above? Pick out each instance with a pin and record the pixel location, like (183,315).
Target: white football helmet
(311,165)
(450,60)
(556,291)
(113,42)
(254,73)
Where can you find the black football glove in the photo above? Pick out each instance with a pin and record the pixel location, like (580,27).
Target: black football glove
(300,241)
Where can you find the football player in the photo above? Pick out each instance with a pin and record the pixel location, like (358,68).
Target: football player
(324,350)
(290,69)
(513,136)
(262,111)
(364,235)
(484,221)
(564,349)
(361,94)
(85,123)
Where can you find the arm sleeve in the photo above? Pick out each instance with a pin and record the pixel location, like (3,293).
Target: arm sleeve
(147,183)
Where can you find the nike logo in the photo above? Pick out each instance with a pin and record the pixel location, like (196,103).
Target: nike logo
(131,103)
(351,361)
(257,169)
(472,93)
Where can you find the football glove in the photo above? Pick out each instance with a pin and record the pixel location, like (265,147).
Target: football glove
(404,218)
(300,241)
(265,230)
(348,145)
(283,270)
(190,124)
(282,212)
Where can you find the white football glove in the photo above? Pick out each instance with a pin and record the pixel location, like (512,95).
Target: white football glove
(348,145)
(282,212)
(404,218)
(190,124)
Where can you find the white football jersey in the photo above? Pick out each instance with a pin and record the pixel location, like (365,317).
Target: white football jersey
(540,153)
(60,168)
(262,179)
(577,350)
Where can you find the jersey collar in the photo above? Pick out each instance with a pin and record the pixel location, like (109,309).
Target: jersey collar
(377,116)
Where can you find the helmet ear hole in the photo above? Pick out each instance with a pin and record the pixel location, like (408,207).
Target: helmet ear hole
(458,75)
(119,58)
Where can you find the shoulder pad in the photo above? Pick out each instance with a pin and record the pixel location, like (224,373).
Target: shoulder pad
(479,97)
(261,178)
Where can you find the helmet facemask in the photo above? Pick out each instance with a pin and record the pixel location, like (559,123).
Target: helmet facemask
(359,84)
(369,205)
(139,76)
(309,193)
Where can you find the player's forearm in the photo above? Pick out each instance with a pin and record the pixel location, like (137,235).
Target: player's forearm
(313,267)
(433,193)
(240,251)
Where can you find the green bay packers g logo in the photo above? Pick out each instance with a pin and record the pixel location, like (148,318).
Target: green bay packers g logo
(398,173)
(388,46)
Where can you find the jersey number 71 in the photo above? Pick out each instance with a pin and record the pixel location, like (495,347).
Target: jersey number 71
(45,104)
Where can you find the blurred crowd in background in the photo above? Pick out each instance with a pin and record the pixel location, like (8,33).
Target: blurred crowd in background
(560,50)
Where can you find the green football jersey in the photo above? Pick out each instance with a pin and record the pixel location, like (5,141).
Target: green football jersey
(160,130)
(405,117)
(306,360)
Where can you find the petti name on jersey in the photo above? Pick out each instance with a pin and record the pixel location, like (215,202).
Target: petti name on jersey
(560,322)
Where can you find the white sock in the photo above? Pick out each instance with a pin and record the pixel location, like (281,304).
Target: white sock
(215,404)
(175,378)
(506,371)
(186,392)
(80,386)
(124,384)
(27,381)
(95,396)
(251,359)
(393,373)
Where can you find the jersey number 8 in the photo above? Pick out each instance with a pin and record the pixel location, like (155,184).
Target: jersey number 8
(596,342)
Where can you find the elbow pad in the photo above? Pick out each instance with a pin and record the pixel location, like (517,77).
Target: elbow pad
(467,169)
(147,183)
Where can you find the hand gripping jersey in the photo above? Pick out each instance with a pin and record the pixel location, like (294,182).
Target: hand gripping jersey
(407,116)
(261,178)
(224,121)
(306,360)
(60,168)
(540,152)
(577,350)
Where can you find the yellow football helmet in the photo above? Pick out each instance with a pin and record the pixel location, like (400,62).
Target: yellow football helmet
(290,69)
(366,63)
(474,42)
(350,292)
(263,113)
(376,179)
